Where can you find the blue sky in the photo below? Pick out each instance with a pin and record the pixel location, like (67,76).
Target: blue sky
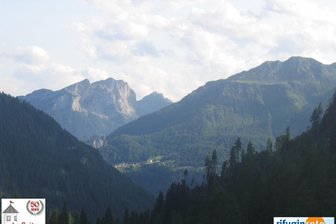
(170,46)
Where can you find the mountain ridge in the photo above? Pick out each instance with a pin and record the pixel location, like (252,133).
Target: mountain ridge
(215,87)
(281,69)
(94,109)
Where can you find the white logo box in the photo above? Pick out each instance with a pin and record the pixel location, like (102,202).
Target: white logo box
(23,211)
(300,220)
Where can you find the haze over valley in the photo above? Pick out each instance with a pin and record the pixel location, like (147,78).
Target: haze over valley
(168,112)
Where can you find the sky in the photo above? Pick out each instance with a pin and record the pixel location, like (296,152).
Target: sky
(168,46)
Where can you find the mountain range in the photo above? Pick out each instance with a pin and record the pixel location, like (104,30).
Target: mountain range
(255,105)
(154,138)
(95,109)
(254,185)
(40,159)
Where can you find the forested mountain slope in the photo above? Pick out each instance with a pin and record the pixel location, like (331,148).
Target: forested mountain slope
(293,178)
(256,105)
(40,159)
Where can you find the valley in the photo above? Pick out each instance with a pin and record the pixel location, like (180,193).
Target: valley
(158,147)
(168,112)
(154,135)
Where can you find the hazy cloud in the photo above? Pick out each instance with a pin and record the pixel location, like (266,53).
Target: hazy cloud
(29,68)
(26,55)
(174,46)
(205,40)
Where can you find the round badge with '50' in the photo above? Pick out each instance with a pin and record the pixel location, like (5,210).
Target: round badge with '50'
(35,207)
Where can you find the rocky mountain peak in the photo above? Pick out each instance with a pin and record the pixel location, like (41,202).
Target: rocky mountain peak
(78,87)
(95,109)
(151,103)
(111,96)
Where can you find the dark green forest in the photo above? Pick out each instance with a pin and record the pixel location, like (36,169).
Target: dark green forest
(40,159)
(292,177)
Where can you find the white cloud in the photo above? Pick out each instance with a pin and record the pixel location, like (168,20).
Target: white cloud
(202,40)
(94,74)
(168,37)
(26,55)
(29,68)
(174,46)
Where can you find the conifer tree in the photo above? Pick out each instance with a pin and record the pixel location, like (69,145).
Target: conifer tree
(235,153)
(250,151)
(83,219)
(269,145)
(64,215)
(315,118)
(126,217)
(108,217)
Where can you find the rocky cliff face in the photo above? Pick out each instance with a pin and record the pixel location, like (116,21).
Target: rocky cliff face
(93,109)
